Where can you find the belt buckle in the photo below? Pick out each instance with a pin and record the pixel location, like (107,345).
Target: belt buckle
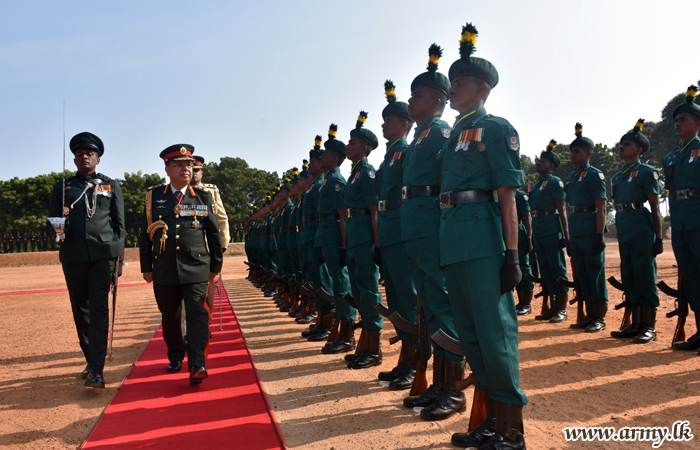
(682,194)
(404,192)
(382,205)
(445,199)
(347,213)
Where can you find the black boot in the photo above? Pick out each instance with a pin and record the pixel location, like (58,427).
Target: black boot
(508,428)
(400,367)
(598,322)
(561,299)
(434,390)
(307,318)
(371,354)
(450,401)
(647,333)
(405,380)
(345,342)
(632,330)
(693,342)
(94,379)
(550,312)
(586,320)
(524,305)
(323,330)
(481,434)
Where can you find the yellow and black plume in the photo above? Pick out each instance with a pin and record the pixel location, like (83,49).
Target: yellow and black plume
(361,119)
(332,131)
(467,44)
(690,94)
(551,145)
(390,91)
(319,140)
(434,55)
(579,129)
(305,164)
(639,126)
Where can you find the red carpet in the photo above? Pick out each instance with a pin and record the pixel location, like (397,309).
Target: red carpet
(157,409)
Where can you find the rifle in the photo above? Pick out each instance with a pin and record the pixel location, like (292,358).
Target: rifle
(397,320)
(115,283)
(425,351)
(681,307)
(578,295)
(626,318)
(543,293)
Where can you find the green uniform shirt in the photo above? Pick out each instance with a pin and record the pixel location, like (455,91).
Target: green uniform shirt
(90,238)
(633,183)
(360,192)
(291,225)
(543,196)
(681,171)
(309,206)
(483,152)
(583,187)
(420,217)
(389,183)
(331,197)
(522,203)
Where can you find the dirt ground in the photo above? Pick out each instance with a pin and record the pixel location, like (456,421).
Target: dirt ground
(571,378)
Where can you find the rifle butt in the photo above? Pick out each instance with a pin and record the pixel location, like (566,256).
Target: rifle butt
(626,319)
(679,333)
(420,382)
(335,331)
(462,385)
(545,298)
(580,313)
(478,412)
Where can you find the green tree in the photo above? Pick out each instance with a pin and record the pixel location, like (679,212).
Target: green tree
(26,202)
(134,187)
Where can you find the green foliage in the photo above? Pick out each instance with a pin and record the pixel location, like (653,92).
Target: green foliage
(134,187)
(26,202)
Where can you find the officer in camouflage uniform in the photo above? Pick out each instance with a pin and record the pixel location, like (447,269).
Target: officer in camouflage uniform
(94,240)
(586,196)
(638,233)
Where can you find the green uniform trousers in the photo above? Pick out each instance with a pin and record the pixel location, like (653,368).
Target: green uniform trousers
(398,285)
(638,267)
(88,289)
(286,263)
(364,276)
(552,262)
(304,266)
(341,283)
(525,268)
(686,247)
(487,326)
(590,268)
(429,279)
(320,278)
(294,260)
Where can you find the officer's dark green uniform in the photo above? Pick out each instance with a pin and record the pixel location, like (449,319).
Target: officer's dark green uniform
(583,187)
(285,234)
(683,181)
(94,239)
(481,156)
(181,260)
(522,201)
(636,235)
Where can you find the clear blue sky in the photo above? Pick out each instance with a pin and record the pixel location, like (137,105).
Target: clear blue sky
(258,80)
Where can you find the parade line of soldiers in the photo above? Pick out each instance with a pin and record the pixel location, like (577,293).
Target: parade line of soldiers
(443,220)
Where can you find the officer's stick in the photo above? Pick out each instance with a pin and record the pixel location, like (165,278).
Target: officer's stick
(115,282)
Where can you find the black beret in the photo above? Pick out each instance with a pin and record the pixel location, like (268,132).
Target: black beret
(635,135)
(581,141)
(316,152)
(432,78)
(364,133)
(552,157)
(689,106)
(467,65)
(333,144)
(87,140)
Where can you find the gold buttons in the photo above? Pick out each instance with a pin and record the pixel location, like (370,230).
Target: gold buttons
(177,216)
(177,236)
(177,226)
(177,248)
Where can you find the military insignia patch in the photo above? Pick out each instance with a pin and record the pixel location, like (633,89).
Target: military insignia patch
(446,132)
(371,174)
(561,184)
(513,142)
(656,175)
(526,197)
(600,174)
(337,188)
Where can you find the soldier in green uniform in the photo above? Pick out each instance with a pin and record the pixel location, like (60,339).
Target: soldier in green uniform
(683,183)
(585,198)
(420,222)
(180,249)
(525,288)
(398,285)
(360,240)
(318,268)
(638,233)
(480,166)
(94,240)
(549,229)
(331,226)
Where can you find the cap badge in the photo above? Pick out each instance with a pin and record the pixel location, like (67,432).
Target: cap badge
(183,150)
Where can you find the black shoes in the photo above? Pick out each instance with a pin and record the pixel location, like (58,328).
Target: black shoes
(425,399)
(340,345)
(371,355)
(174,366)
(94,379)
(197,374)
(478,437)
(524,305)
(393,373)
(403,381)
(446,405)
(560,302)
(308,318)
(320,333)
(598,318)
(85,373)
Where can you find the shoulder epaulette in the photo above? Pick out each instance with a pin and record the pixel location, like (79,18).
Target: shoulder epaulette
(156,186)
(209,185)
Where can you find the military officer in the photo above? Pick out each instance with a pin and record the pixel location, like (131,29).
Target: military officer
(525,288)
(331,220)
(550,231)
(586,196)
(181,251)
(360,240)
(420,222)
(638,233)
(222,217)
(94,241)
(480,167)
(398,285)
(683,183)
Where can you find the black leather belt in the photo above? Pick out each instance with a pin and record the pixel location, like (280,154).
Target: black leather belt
(310,218)
(687,193)
(454,198)
(543,212)
(385,205)
(619,207)
(322,217)
(352,212)
(580,209)
(419,191)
